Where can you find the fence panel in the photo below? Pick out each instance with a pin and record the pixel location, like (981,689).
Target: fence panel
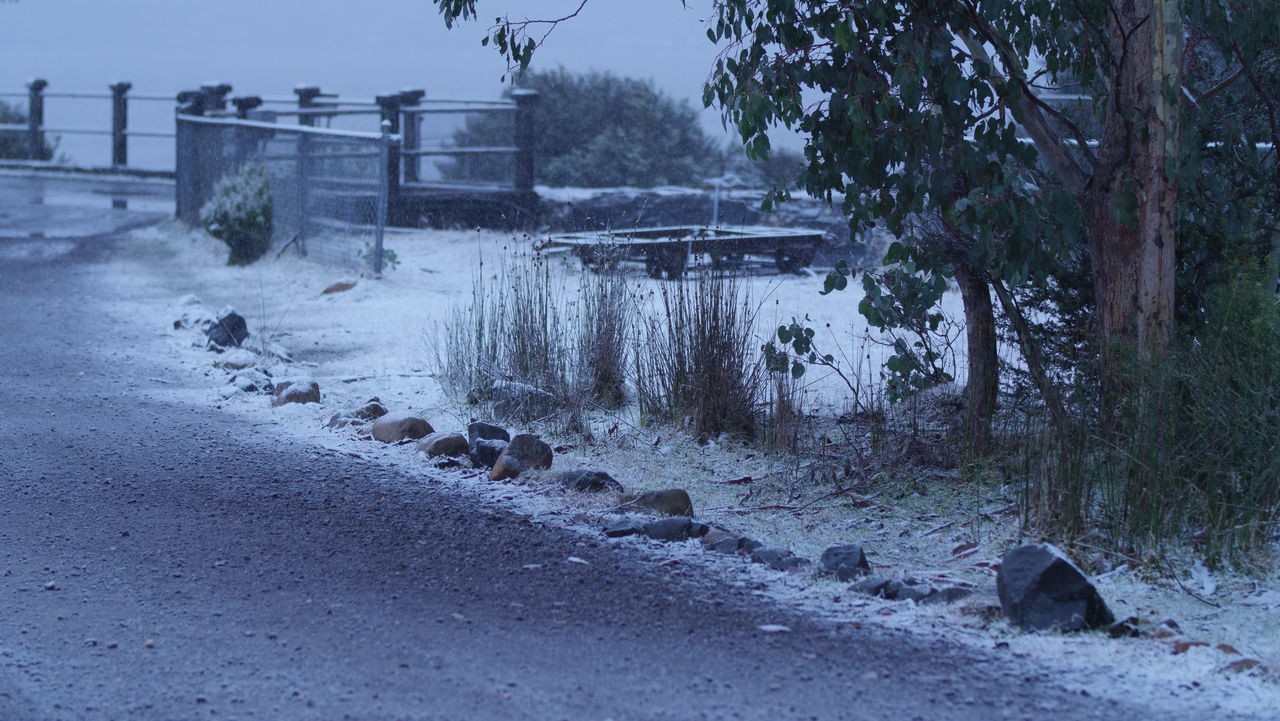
(328,186)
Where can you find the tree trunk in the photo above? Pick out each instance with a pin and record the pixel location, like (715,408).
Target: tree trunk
(984,372)
(1131,199)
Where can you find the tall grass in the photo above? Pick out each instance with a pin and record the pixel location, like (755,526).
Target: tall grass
(1192,451)
(522,324)
(697,362)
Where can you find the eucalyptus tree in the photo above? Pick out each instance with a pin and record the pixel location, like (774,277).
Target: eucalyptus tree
(927,116)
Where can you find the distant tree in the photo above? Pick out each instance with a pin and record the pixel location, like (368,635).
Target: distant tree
(599,130)
(13,143)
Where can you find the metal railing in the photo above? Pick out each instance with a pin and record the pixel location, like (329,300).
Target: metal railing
(36,130)
(433,156)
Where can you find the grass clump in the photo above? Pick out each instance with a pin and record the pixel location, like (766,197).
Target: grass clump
(240,213)
(1192,451)
(697,362)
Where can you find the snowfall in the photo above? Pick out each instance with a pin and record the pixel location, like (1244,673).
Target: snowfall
(381,338)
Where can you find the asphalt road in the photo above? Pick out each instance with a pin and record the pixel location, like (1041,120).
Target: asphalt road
(161,562)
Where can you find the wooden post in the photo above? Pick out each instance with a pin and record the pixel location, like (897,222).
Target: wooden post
(307,95)
(35,119)
(120,124)
(526,103)
(412,132)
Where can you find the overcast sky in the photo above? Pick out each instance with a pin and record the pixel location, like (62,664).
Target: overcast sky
(359,47)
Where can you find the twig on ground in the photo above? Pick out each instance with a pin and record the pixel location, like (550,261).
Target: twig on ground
(1188,591)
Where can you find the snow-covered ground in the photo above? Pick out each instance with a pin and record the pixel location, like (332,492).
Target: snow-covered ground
(380,339)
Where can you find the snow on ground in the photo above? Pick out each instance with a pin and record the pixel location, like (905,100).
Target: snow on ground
(379,339)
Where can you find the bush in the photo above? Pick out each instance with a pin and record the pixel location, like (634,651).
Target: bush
(1194,455)
(697,361)
(598,130)
(239,213)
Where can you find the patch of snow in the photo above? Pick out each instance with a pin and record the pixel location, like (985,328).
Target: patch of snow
(379,339)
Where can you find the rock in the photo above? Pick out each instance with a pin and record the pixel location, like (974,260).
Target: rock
(477,430)
(675,529)
(846,562)
(625,527)
(778,558)
(237,359)
(229,330)
(908,590)
(370,411)
(871,586)
(1041,589)
(1126,628)
(444,444)
(671,502)
(300,390)
(523,453)
(253,380)
(585,481)
(340,420)
(949,594)
(485,453)
(338,287)
(522,401)
(396,427)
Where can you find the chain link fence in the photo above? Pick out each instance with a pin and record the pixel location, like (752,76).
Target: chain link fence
(329,187)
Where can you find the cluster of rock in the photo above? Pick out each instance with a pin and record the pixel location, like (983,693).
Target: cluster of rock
(1039,588)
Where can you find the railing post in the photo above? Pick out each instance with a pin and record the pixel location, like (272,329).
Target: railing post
(307,95)
(35,119)
(190,186)
(525,135)
(215,96)
(302,177)
(390,105)
(120,124)
(411,132)
(384,150)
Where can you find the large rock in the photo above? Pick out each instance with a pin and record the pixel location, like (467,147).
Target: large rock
(370,411)
(400,425)
(675,529)
(846,562)
(477,430)
(1041,589)
(522,401)
(523,453)
(485,452)
(585,481)
(228,330)
(444,444)
(296,390)
(671,502)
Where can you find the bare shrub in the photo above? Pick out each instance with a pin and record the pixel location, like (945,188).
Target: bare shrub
(515,327)
(606,321)
(697,361)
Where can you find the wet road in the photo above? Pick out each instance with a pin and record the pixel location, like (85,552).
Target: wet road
(161,562)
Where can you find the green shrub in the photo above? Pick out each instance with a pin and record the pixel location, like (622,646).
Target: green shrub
(597,130)
(1193,455)
(239,213)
